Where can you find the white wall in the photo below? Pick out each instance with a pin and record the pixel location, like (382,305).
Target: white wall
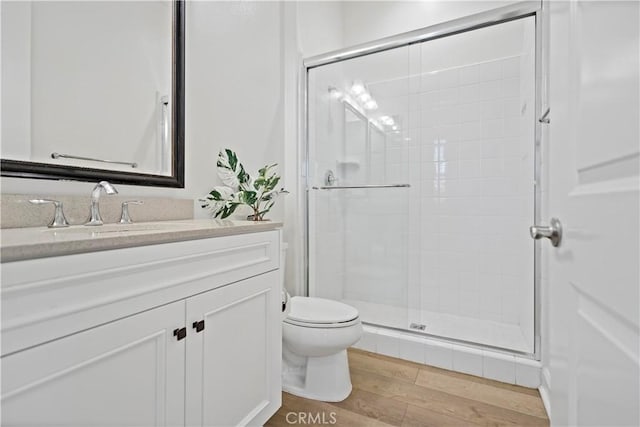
(234,88)
(320,26)
(370,20)
(234,98)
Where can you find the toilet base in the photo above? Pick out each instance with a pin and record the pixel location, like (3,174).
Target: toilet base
(323,378)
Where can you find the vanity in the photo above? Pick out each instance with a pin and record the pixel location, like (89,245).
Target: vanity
(168,323)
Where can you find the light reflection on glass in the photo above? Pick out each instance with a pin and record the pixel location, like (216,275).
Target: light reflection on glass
(438,151)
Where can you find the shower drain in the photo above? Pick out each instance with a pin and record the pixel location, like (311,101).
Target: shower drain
(418,326)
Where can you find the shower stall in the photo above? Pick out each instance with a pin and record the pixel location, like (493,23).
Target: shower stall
(422,170)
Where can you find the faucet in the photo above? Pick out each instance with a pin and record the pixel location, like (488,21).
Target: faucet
(95,218)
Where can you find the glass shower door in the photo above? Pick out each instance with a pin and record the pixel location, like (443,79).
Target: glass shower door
(422,179)
(477,132)
(358,191)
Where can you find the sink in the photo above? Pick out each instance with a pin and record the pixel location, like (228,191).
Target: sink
(119,228)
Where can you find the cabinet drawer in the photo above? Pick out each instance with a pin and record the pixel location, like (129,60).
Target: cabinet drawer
(47,298)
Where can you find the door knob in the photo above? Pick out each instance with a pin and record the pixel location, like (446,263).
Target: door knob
(553,232)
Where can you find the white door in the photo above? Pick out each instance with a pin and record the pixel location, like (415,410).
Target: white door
(233,361)
(593,164)
(126,373)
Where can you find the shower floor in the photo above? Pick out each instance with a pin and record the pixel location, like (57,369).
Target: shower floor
(486,332)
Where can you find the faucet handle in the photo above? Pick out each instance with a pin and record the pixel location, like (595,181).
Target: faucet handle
(125,218)
(59,219)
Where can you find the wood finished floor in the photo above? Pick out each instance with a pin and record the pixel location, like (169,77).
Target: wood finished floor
(394,392)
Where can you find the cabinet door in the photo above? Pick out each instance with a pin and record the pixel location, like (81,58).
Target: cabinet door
(129,372)
(233,364)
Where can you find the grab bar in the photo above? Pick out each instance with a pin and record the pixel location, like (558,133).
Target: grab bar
(343,187)
(69,156)
(165,144)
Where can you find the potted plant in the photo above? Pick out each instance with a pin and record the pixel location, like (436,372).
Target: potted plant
(240,189)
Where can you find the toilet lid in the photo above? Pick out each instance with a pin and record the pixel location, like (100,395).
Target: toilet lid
(320,310)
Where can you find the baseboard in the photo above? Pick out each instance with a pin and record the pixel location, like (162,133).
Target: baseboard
(545,390)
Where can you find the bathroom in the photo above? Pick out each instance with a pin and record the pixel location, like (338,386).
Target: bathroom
(445,282)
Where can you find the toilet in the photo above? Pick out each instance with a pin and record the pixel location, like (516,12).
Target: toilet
(315,335)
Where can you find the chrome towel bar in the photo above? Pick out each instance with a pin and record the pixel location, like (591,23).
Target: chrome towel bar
(347,187)
(69,156)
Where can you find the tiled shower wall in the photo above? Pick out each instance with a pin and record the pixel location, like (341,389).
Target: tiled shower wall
(376,258)
(470,163)
(328,245)
(467,152)
(375,219)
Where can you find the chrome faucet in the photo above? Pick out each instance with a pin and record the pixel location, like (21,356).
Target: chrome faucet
(95,218)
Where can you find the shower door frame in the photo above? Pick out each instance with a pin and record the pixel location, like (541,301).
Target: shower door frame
(473,22)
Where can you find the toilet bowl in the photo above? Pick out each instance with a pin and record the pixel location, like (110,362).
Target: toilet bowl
(315,335)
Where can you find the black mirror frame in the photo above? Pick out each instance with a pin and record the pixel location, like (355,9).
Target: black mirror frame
(25,169)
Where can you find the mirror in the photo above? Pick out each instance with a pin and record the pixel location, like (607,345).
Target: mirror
(93,90)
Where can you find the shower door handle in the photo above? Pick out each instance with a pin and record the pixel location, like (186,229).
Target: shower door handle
(553,232)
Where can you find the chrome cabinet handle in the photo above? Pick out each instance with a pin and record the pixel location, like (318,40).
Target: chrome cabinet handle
(59,219)
(553,232)
(125,218)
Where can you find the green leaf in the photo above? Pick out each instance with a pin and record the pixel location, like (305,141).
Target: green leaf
(263,171)
(233,158)
(273,182)
(228,210)
(248,197)
(243,176)
(231,171)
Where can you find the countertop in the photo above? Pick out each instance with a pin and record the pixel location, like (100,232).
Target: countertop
(17,244)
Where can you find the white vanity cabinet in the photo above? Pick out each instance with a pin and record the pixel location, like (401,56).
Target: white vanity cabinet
(184,333)
(233,364)
(125,373)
